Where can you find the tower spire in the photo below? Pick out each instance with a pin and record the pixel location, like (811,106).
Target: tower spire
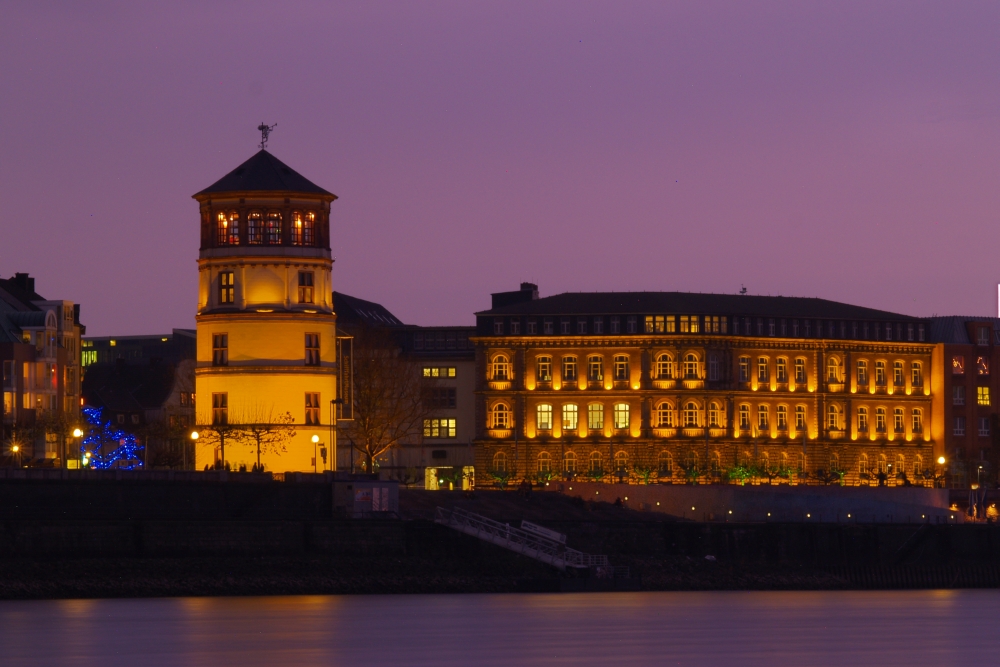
(265,130)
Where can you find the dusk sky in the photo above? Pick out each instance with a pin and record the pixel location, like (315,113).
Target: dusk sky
(844,150)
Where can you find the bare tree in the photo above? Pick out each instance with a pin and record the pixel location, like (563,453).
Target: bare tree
(263,430)
(217,435)
(388,397)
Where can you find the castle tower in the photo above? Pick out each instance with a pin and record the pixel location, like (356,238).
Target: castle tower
(266,326)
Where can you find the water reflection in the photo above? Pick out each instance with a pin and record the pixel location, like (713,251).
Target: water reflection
(751,628)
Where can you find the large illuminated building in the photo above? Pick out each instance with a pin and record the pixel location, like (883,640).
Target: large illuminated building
(265,326)
(679,386)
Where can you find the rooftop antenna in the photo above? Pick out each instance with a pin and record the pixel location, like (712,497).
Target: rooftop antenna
(265,130)
(743,290)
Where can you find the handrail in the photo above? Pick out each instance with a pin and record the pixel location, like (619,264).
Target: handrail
(518,540)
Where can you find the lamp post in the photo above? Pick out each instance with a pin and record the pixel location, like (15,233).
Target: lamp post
(17,452)
(77,434)
(194,440)
(333,432)
(315,440)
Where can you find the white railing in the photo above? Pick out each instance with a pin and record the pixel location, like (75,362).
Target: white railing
(523,542)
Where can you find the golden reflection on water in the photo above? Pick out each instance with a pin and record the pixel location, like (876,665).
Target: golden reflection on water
(687,628)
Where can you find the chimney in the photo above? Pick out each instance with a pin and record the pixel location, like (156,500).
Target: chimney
(528,292)
(24,282)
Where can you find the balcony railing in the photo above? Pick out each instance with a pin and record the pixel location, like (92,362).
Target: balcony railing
(693,383)
(664,384)
(500,385)
(835,386)
(500,433)
(665,432)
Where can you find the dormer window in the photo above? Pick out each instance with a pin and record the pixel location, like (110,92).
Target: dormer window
(273,228)
(228,228)
(303,228)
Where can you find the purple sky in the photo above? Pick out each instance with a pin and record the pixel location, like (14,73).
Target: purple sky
(842,150)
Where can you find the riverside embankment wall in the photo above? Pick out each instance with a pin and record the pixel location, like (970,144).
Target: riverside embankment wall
(784,503)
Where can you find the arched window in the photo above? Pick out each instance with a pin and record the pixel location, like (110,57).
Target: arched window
(862,420)
(664,415)
(882,464)
(500,368)
(897,421)
(690,366)
(800,371)
(303,228)
(879,373)
(744,369)
(544,462)
(897,374)
(764,461)
(691,460)
(664,367)
(544,417)
(272,228)
(714,415)
(570,417)
(715,464)
(900,465)
(595,416)
(569,462)
(500,462)
(918,420)
(500,416)
(744,416)
(621,462)
(918,465)
(880,420)
(834,463)
(228,228)
(569,368)
(781,369)
(862,373)
(833,420)
(917,374)
(665,464)
(543,368)
(782,417)
(784,460)
(621,415)
(863,464)
(596,461)
(833,369)
(255,228)
(800,417)
(762,417)
(595,368)
(621,367)
(762,369)
(690,414)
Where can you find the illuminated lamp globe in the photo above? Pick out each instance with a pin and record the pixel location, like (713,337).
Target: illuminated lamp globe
(15,449)
(941,460)
(77,433)
(194,435)
(315,439)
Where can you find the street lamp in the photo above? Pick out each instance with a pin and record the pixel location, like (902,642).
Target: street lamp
(194,439)
(315,440)
(17,452)
(77,434)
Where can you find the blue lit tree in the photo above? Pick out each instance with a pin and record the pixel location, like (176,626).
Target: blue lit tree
(108,446)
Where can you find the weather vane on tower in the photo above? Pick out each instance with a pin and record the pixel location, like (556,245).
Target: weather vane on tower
(265,130)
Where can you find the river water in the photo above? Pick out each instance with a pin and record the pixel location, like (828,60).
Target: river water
(699,628)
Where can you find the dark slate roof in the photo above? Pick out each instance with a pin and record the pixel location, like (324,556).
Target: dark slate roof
(351,310)
(605,303)
(264,173)
(954,328)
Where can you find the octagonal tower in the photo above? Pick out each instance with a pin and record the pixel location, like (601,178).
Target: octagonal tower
(266,326)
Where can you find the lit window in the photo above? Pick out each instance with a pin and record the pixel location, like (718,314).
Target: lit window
(570,416)
(621,367)
(833,370)
(982,366)
(500,416)
(439,371)
(686,324)
(595,417)
(621,415)
(255,228)
(273,228)
(690,366)
(983,395)
(227,289)
(690,414)
(500,368)
(664,415)
(303,228)
(714,415)
(595,368)
(958,365)
(781,370)
(543,367)
(220,408)
(664,367)
(569,369)
(544,417)
(228,228)
(305,286)
(220,349)
(312,409)
(440,428)
(312,349)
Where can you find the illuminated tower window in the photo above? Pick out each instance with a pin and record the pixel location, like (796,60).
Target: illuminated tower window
(312,409)
(303,228)
(305,286)
(228,228)
(227,292)
(255,228)
(220,349)
(312,349)
(220,408)
(273,228)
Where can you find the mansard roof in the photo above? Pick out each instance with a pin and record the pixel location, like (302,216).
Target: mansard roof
(352,311)
(264,173)
(691,303)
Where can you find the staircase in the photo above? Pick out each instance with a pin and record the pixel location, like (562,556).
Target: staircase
(533,545)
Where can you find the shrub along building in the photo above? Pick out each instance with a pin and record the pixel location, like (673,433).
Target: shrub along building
(682,386)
